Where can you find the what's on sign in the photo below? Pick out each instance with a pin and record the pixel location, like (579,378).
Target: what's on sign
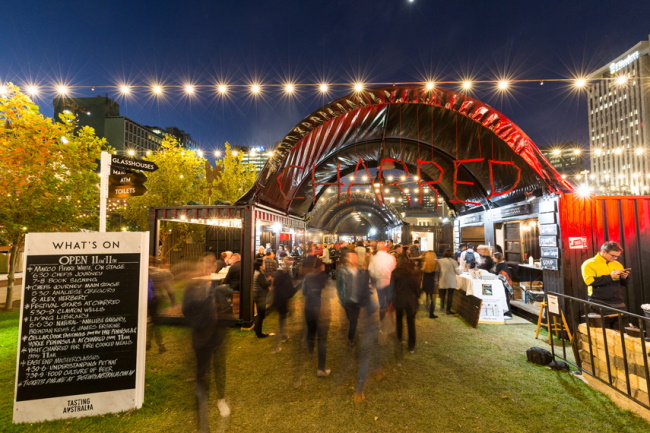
(82,325)
(578,243)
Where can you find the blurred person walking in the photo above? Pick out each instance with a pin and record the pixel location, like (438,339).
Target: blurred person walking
(161,282)
(203,310)
(380,268)
(447,270)
(317,321)
(405,280)
(282,291)
(352,283)
(261,286)
(430,281)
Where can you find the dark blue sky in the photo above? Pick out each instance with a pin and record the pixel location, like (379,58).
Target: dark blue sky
(91,43)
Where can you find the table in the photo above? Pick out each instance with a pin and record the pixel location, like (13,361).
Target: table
(489,288)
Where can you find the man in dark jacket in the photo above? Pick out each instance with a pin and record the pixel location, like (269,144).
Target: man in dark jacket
(233,277)
(405,280)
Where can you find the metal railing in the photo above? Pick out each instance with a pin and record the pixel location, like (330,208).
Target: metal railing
(599,332)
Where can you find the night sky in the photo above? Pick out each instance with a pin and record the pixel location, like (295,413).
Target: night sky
(89,43)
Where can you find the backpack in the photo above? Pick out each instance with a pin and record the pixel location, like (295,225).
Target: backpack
(470,258)
(540,356)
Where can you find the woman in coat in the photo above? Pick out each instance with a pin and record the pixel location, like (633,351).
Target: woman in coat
(447,269)
(429,271)
(405,280)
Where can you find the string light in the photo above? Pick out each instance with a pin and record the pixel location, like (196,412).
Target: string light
(256,89)
(358,87)
(621,80)
(467,85)
(189,89)
(503,84)
(62,90)
(289,88)
(430,85)
(324,88)
(580,83)
(157,89)
(125,90)
(222,88)
(31,90)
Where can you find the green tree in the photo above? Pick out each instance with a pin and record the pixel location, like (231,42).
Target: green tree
(48,179)
(235,178)
(178,180)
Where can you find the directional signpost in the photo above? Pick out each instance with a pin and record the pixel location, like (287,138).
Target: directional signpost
(126,185)
(118,180)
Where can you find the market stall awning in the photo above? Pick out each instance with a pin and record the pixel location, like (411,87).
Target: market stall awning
(471,154)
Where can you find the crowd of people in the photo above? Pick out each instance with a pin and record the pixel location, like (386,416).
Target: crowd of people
(378,283)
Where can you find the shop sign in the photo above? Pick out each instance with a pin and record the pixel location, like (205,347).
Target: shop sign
(549,264)
(547,206)
(578,243)
(547,241)
(548,229)
(547,218)
(133,163)
(553,305)
(522,209)
(551,252)
(472,219)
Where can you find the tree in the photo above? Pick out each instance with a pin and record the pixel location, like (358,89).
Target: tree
(235,178)
(48,179)
(178,180)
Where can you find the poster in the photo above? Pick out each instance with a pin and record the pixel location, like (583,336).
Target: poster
(553,304)
(82,325)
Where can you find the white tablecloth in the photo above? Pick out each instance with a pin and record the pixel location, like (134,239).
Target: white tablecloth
(490,289)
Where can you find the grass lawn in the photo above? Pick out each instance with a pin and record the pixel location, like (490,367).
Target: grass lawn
(459,379)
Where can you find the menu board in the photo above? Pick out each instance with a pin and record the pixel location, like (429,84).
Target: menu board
(82,325)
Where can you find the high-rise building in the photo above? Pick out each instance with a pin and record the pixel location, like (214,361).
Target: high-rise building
(619,116)
(568,159)
(255,155)
(103,114)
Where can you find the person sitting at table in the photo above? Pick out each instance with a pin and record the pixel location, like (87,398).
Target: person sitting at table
(502,268)
(233,277)
(221,263)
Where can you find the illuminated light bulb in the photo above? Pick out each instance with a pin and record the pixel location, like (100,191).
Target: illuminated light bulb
(467,85)
(578,176)
(200,153)
(253,153)
(430,85)
(222,88)
(255,89)
(618,151)
(131,152)
(599,152)
(503,84)
(403,178)
(563,176)
(415,190)
(577,151)
(621,80)
(189,89)
(386,190)
(592,176)
(235,153)
(607,176)
(269,153)
(556,152)
(157,90)
(390,178)
(639,151)
(217,153)
(181,176)
(62,90)
(406,190)
(416,178)
(125,90)
(323,88)
(31,90)
(580,82)
(358,87)
(148,152)
(289,88)
(3,90)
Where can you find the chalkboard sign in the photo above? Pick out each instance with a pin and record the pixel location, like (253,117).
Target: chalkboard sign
(550,252)
(549,264)
(83,317)
(548,229)
(547,241)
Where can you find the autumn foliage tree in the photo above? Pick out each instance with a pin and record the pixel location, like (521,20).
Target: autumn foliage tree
(235,177)
(48,179)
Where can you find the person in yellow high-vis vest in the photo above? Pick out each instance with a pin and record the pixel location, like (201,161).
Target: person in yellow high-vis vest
(606,278)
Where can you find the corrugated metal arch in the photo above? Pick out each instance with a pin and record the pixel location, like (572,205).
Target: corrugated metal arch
(407,123)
